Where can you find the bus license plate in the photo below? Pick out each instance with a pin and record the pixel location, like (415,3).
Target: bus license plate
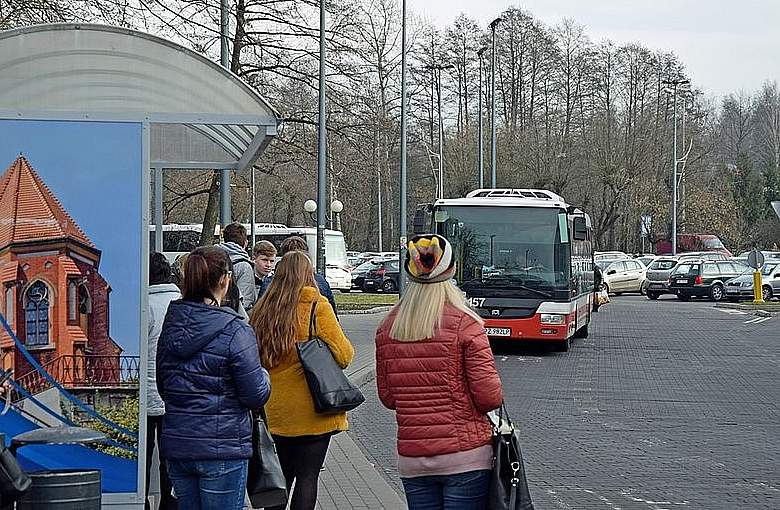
(498,331)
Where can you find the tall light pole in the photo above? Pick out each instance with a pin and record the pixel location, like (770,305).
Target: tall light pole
(224,60)
(321,176)
(480,135)
(437,69)
(493,25)
(674,84)
(402,202)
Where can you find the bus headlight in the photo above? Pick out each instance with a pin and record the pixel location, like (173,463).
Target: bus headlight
(553,318)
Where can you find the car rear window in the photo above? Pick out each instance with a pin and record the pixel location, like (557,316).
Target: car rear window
(687,269)
(663,265)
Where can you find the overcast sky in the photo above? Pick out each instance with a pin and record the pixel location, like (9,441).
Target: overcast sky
(726,45)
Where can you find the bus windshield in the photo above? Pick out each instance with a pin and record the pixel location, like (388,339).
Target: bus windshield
(512,250)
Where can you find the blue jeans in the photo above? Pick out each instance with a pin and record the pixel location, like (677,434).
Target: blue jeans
(464,491)
(209,484)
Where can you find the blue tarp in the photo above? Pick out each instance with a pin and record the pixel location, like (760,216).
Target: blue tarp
(118,475)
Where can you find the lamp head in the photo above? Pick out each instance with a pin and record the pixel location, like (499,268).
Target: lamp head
(310,206)
(336,206)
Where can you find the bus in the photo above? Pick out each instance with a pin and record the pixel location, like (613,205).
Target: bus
(524,261)
(181,239)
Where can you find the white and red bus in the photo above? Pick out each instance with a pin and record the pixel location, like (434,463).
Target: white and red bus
(524,259)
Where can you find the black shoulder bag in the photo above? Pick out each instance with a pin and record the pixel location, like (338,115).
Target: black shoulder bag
(330,389)
(508,484)
(265,485)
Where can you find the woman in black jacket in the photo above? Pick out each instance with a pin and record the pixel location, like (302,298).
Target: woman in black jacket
(210,377)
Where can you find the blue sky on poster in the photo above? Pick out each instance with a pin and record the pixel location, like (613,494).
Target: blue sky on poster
(93,169)
(726,45)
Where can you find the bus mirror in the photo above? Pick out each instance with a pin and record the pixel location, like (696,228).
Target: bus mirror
(580,229)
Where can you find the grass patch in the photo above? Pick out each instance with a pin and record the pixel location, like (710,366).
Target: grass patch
(362,301)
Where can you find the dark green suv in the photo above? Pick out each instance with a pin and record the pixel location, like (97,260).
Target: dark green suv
(704,278)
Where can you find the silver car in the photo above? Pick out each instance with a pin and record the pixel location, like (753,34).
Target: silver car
(657,276)
(742,286)
(624,276)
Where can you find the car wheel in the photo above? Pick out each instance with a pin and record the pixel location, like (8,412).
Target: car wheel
(388,286)
(652,295)
(604,286)
(716,292)
(683,297)
(643,288)
(766,292)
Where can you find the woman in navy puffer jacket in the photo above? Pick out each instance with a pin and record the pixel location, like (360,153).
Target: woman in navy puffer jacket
(210,377)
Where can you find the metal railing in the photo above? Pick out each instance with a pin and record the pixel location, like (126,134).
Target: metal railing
(80,371)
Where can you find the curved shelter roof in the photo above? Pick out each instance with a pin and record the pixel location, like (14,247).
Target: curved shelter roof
(200,114)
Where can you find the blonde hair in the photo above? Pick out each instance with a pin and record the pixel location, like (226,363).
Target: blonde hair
(421,309)
(275,316)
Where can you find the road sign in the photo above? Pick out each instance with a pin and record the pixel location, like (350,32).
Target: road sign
(645,223)
(755,259)
(776,207)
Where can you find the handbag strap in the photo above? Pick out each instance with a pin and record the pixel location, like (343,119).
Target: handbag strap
(313,320)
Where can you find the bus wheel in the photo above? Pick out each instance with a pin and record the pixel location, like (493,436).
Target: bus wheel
(582,332)
(563,345)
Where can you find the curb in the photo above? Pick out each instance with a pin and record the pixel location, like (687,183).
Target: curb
(765,311)
(377,309)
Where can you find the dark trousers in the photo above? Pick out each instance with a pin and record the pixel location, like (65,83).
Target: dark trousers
(302,458)
(153,434)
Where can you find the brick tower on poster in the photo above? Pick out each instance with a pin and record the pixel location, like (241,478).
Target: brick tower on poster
(51,289)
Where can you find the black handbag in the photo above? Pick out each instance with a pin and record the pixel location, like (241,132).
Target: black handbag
(265,483)
(331,390)
(508,484)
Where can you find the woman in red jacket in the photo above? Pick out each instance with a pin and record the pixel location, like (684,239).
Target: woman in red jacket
(435,369)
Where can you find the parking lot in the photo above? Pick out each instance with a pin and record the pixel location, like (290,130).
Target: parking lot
(666,405)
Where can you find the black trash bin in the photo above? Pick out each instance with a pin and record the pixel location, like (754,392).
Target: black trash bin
(67,489)
(63,490)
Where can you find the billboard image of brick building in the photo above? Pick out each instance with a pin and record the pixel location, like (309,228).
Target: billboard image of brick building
(51,290)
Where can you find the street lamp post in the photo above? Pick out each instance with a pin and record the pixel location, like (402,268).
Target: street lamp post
(321,156)
(402,202)
(674,84)
(480,136)
(493,25)
(437,69)
(224,60)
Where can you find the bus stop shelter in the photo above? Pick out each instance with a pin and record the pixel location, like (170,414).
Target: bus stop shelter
(194,114)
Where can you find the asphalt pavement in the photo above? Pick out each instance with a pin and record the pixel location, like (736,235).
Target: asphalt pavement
(666,405)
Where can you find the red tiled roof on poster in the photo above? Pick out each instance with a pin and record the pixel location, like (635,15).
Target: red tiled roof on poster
(68,265)
(8,271)
(29,211)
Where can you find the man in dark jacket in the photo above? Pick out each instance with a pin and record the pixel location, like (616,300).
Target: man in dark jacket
(295,243)
(235,242)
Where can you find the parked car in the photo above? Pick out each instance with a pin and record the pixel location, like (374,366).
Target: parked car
(704,278)
(646,260)
(383,278)
(359,273)
(609,255)
(657,276)
(742,286)
(624,276)
(703,255)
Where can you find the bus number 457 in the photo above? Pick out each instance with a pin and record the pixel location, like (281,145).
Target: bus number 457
(476,302)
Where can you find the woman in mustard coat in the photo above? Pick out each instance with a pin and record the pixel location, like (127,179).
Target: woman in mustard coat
(280,319)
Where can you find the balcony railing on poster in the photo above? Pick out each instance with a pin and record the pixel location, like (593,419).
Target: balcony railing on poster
(78,371)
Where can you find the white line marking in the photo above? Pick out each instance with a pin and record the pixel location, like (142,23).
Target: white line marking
(753,321)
